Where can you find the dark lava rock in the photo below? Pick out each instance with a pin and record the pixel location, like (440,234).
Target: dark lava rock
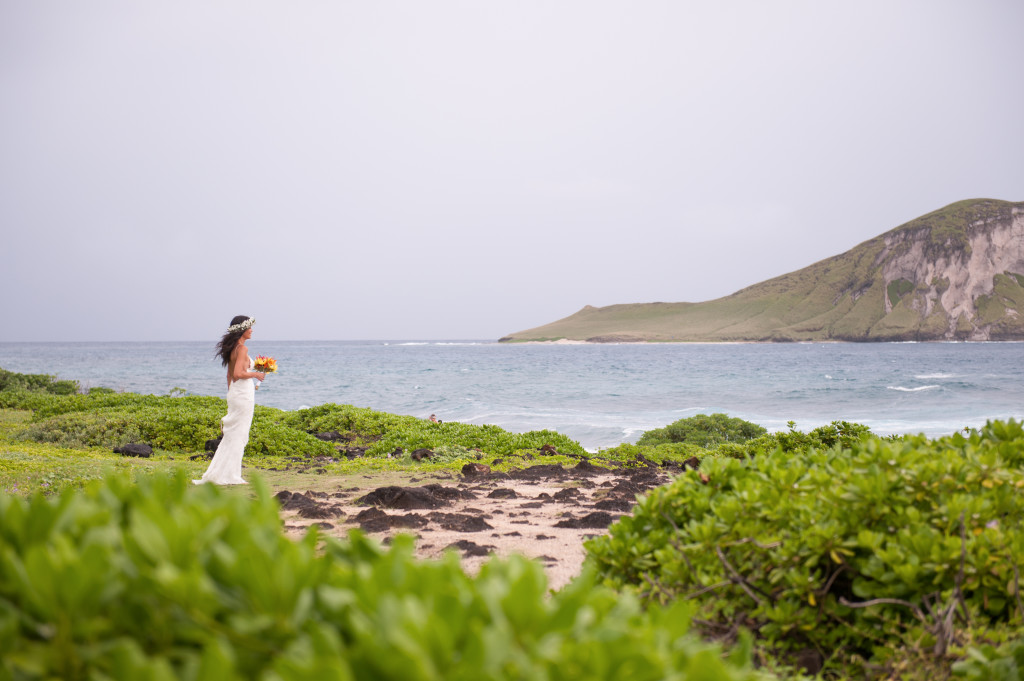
(306,506)
(428,496)
(587,468)
(591,521)
(332,436)
(567,493)
(293,501)
(135,449)
(458,522)
(468,548)
(370,514)
(401,497)
(409,521)
(547,559)
(473,470)
(376,520)
(420,454)
(375,525)
(548,450)
(315,511)
(620,505)
(207,456)
(650,477)
(627,488)
(503,493)
(540,472)
(532,504)
(211,445)
(641,459)
(693,463)
(449,493)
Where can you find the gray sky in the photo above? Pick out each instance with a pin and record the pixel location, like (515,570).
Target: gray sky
(429,170)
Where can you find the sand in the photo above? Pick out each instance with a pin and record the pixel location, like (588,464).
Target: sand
(544,512)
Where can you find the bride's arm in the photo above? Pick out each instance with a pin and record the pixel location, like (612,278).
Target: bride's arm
(240,368)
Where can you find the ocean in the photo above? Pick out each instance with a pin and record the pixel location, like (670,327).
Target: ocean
(600,395)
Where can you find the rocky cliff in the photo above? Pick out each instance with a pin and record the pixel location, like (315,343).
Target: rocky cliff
(954,274)
(967,277)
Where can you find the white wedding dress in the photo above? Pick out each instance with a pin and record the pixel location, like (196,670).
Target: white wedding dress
(226,467)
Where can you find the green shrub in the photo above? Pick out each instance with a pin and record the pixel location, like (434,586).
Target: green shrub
(788,543)
(988,663)
(386,432)
(672,451)
(703,430)
(841,433)
(183,423)
(164,580)
(45,383)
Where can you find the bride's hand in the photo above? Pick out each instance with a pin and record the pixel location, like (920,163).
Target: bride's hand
(262,375)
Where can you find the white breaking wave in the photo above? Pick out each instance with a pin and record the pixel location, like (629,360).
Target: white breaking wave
(925,377)
(918,389)
(457,343)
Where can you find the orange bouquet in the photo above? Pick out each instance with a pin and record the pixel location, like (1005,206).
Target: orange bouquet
(267,365)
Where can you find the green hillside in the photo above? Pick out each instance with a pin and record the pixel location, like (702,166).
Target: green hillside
(954,274)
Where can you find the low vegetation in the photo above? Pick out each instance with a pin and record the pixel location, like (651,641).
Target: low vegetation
(704,430)
(834,551)
(865,556)
(164,580)
(43,415)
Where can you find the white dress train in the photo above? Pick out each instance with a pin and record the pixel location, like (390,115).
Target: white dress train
(226,467)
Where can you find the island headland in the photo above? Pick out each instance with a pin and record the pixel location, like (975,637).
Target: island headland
(955,274)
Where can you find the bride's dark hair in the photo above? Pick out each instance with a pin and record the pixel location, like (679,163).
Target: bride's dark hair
(227,344)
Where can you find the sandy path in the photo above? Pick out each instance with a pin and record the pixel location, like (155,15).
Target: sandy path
(544,512)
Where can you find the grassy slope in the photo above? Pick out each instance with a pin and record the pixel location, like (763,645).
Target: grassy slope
(840,298)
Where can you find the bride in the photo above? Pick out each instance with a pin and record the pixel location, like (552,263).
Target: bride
(226,467)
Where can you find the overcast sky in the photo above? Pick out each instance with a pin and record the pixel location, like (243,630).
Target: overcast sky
(464,170)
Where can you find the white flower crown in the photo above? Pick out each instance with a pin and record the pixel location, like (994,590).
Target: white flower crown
(242,326)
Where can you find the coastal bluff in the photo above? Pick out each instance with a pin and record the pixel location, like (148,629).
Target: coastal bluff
(955,274)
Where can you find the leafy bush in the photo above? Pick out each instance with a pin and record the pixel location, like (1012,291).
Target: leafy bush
(10,380)
(390,431)
(673,451)
(703,430)
(841,433)
(794,543)
(988,663)
(106,419)
(164,580)
(838,432)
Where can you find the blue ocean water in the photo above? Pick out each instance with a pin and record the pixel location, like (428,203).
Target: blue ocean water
(600,395)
